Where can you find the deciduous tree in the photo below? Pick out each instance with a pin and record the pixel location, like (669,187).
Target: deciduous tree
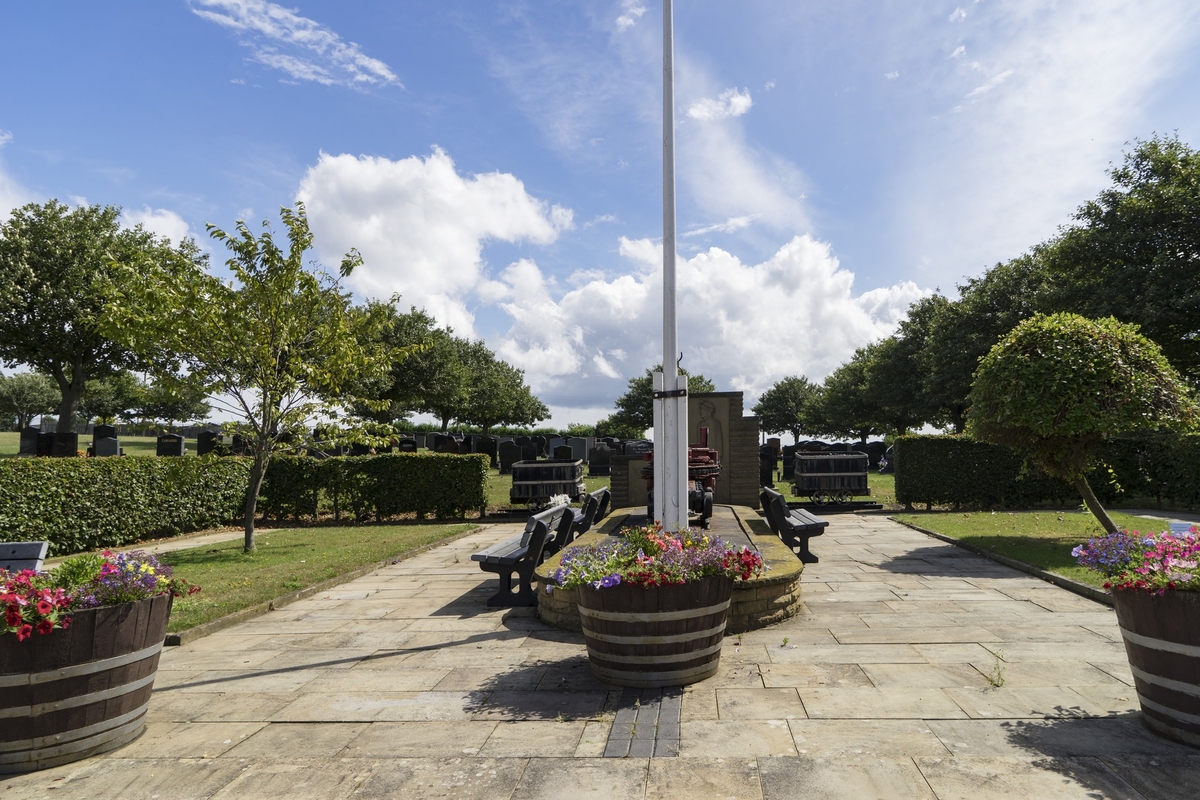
(1057,385)
(790,405)
(26,395)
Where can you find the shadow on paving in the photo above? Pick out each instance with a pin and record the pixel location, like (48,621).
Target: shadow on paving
(947,561)
(1109,753)
(561,689)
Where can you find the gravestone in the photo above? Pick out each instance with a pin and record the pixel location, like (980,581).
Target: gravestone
(360,450)
(206,441)
(875,451)
(776,445)
(103,432)
(170,444)
(563,453)
(638,448)
(529,452)
(579,448)
(239,446)
(45,444)
(448,445)
(419,438)
(106,447)
(600,460)
(466,446)
(508,453)
(29,441)
(554,443)
(522,441)
(406,446)
(540,443)
(66,445)
(487,445)
(789,462)
(766,465)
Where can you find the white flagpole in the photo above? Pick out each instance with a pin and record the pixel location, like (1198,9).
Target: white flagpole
(670,405)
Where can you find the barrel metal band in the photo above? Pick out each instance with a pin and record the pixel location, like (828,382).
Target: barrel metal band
(1182,716)
(81,700)
(1166,683)
(652,616)
(88,668)
(629,677)
(53,755)
(666,659)
(1161,644)
(60,739)
(675,637)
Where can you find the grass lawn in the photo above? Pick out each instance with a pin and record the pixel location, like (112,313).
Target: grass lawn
(883,488)
(10,444)
(286,560)
(1042,539)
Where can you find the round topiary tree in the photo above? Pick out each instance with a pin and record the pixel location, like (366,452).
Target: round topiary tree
(1058,385)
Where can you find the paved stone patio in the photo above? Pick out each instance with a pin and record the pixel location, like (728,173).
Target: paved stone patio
(404,684)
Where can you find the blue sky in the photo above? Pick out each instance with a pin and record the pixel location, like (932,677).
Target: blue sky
(499,163)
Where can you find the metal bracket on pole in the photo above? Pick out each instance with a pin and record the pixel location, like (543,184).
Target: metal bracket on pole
(671,393)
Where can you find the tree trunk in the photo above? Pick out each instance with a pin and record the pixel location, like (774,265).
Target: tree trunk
(959,417)
(1089,499)
(258,471)
(72,390)
(445,424)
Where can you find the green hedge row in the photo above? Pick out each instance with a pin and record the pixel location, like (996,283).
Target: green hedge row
(381,486)
(953,470)
(86,504)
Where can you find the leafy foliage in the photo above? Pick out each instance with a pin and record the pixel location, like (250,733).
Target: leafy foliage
(26,395)
(58,266)
(89,504)
(1058,385)
(790,405)
(381,486)
(1135,251)
(116,396)
(635,408)
(275,348)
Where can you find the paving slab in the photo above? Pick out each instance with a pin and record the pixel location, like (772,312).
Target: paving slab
(917,669)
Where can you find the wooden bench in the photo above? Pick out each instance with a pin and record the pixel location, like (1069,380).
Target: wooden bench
(520,555)
(605,504)
(794,526)
(16,556)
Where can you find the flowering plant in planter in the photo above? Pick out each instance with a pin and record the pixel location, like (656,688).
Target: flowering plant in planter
(649,556)
(1150,563)
(39,602)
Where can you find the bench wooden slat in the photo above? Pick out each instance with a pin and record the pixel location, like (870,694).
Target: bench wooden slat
(16,556)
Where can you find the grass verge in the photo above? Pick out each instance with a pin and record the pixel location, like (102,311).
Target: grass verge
(1042,539)
(286,560)
(499,486)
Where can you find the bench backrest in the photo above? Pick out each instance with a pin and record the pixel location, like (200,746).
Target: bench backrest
(16,556)
(540,525)
(768,498)
(604,497)
(587,516)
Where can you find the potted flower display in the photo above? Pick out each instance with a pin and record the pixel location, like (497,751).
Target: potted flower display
(79,650)
(653,604)
(1155,583)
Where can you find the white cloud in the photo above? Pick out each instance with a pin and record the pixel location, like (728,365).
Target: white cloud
(12,194)
(160,221)
(891,76)
(729,103)
(5,137)
(728,226)
(420,225)
(1064,87)
(312,52)
(580,347)
(600,219)
(958,15)
(959,52)
(631,12)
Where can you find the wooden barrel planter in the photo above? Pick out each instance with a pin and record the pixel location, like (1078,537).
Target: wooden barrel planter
(655,636)
(1162,640)
(78,692)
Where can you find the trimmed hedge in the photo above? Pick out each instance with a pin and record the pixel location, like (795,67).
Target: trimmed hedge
(954,470)
(86,504)
(382,486)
